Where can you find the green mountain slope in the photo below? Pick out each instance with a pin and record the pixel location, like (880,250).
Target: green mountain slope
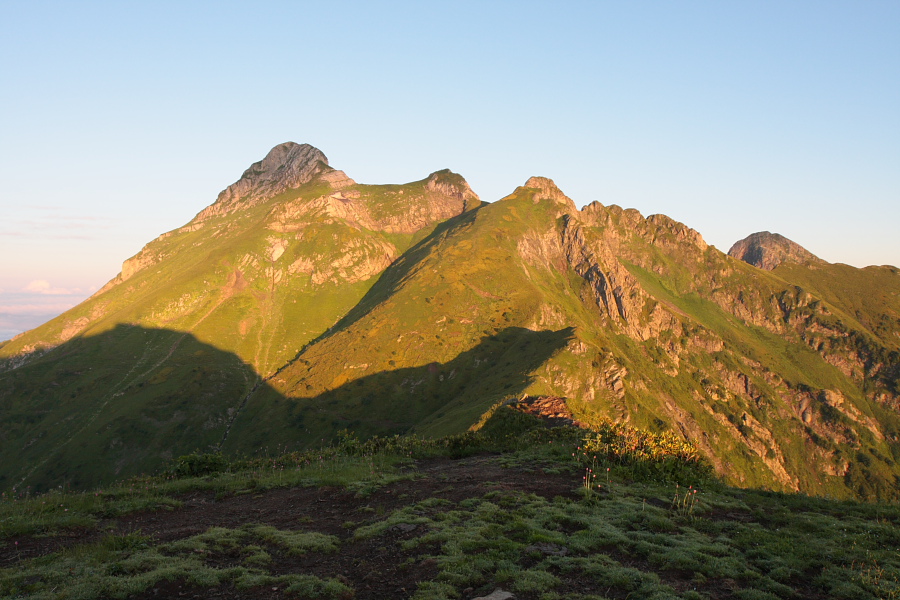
(667,333)
(116,403)
(416,308)
(253,278)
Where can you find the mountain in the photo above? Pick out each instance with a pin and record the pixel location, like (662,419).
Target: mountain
(156,363)
(768,250)
(301,303)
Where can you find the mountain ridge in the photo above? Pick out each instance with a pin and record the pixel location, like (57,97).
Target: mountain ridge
(418,308)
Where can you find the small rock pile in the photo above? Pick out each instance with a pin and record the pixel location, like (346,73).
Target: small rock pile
(552,409)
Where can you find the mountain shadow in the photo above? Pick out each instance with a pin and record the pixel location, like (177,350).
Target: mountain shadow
(431,399)
(126,401)
(115,404)
(392,278)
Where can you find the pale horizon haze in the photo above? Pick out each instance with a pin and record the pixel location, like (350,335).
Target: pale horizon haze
(121,121)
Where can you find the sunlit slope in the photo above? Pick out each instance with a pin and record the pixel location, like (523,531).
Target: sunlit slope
(251,279)
(869,298)
(301,303)
(261,283)
(450,328)
(628,318)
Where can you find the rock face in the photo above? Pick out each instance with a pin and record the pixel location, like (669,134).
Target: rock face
(287,166)
(768,250)
(546,189)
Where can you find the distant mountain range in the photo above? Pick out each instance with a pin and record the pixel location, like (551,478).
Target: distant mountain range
(301,303)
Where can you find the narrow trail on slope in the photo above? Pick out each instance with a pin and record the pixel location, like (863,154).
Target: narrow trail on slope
(127,381)
(115,391)
(258,384)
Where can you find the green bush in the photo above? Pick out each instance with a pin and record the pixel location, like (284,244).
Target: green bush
(197,464)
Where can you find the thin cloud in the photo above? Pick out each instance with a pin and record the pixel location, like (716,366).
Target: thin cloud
(62,212)
(44,236)
(35,309)
(68,221)
(52,223)
(42,286)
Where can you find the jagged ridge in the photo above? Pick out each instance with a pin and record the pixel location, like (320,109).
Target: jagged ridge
(388,309)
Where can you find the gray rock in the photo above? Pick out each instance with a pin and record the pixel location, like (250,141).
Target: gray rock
(548,549)
(286,166)
(497,594)
(768,250)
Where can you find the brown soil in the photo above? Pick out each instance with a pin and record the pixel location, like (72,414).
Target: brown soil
(374,568)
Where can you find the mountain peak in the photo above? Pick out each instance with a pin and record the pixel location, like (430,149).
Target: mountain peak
(768,250)
(548,190)
(286,166)
(293,157)
(451,184)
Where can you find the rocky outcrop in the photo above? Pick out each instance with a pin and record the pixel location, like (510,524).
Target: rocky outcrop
(768,250)
(548,190)
(553,410)
(139,261)
(358,260)
(286,166)
(450,184)
(573,243)
(607,280)
(606,247)
(444,195)
(616,291)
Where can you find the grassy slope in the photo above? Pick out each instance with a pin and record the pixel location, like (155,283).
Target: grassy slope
(869,296)
(105,409)
(445,333)
(788,363)
(637,530)
(168,355)
(464,319)
(458,324)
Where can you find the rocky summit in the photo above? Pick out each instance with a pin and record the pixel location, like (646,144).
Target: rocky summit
(768,250)
(302,303)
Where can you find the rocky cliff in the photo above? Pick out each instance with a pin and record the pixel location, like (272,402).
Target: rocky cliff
(286,167)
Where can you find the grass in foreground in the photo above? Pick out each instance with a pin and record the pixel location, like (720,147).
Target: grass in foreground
(642,517)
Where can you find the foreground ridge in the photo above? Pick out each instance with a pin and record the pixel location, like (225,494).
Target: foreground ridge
(570,513)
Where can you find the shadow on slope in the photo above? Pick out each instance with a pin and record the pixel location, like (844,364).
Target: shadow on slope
(115,404)
(128,400)
(430,399)
(392,278)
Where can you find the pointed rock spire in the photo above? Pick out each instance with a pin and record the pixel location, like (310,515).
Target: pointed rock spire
(286,166)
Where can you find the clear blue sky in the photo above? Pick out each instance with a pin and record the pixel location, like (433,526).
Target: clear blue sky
(122,120)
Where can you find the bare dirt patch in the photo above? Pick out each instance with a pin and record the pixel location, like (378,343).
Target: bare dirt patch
(375,568)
